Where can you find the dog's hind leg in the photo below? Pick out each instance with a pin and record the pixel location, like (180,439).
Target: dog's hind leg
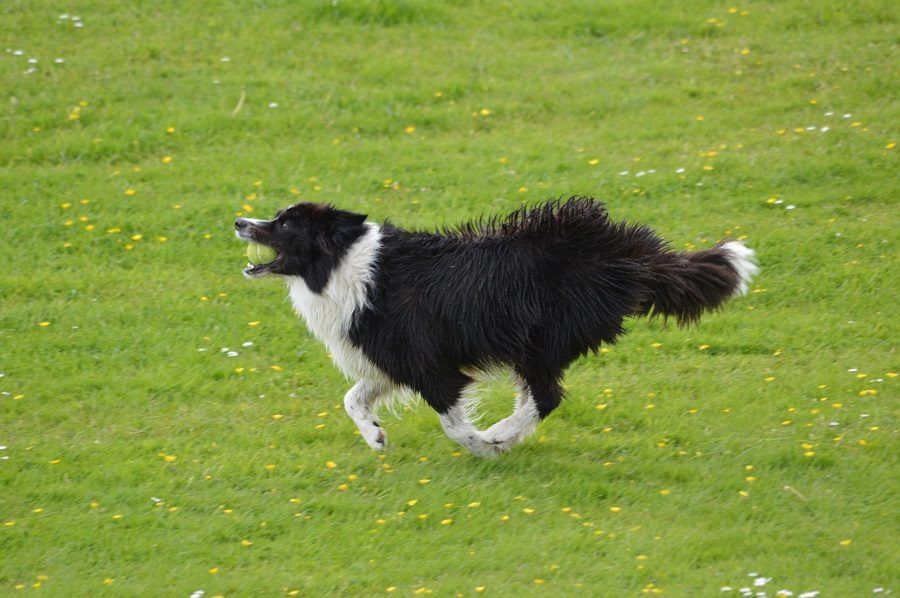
(359,402)
(538,395)
(452,397)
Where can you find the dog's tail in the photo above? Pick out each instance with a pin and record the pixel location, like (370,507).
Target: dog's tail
(684,285)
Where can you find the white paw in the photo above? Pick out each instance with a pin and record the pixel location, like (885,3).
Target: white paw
(502,436)
(492,451)
(374,436)
(481,446)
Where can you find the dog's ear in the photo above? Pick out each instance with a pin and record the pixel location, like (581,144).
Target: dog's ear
(342,229)
(343,218)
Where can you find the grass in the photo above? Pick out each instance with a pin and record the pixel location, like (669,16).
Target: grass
(139,459)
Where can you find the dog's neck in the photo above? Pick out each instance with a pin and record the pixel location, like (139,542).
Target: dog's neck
(329,312)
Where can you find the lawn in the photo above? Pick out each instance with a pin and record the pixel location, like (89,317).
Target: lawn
(169,427)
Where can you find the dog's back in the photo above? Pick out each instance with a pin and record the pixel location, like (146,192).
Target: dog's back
(556,280)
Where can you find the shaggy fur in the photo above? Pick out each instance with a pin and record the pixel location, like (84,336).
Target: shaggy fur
(530,291)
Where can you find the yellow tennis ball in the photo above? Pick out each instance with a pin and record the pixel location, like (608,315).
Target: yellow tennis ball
(260,254)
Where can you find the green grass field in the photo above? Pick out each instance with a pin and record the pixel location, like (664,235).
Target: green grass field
(138,458)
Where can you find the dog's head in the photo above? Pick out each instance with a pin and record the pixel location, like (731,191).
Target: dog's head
(309,240)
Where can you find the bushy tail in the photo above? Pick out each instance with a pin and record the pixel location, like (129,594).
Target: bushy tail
(683,285)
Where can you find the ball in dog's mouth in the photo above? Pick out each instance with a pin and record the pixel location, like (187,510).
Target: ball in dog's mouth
(261,257)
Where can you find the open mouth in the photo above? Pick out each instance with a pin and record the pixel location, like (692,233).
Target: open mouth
(257,270)
(261,258)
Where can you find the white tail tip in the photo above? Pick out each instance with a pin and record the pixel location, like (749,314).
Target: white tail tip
(743,260)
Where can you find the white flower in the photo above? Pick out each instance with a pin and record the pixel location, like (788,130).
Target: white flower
(224,59)
(623,173)
(273,104)
(232,354)
(824,129)
(679,171)
(247,344)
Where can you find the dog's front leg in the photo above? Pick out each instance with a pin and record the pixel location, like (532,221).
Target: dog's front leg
(359,402)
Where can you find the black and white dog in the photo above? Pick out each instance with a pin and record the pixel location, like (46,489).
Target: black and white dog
(530,291)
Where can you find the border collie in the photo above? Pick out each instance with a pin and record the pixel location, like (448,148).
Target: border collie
(530,291)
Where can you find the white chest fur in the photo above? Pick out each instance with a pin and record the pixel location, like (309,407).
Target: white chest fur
(329,314)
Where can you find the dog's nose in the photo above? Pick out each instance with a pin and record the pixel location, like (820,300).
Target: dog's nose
(240,223)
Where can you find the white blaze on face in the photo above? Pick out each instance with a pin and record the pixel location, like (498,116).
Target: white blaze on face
(252,221)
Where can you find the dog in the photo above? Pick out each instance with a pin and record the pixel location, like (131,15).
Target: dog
(530,291)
